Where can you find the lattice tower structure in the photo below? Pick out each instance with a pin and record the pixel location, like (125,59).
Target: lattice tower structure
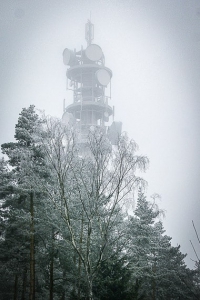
(88,78)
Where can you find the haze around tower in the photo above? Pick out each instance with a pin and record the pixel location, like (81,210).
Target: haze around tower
(153,49)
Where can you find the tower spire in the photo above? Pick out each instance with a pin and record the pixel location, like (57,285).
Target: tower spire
(89,31)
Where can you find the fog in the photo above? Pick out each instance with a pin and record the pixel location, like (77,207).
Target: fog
(153,49)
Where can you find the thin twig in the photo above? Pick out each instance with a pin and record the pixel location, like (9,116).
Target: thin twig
(194,250)
(196,232)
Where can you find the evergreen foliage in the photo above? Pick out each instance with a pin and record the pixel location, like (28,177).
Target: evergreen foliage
(64,229)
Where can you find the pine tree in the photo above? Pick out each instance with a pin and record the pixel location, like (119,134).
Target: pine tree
(158,269)
(23,207)
(64,233)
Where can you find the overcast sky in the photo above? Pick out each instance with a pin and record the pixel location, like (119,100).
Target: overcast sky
(153,49)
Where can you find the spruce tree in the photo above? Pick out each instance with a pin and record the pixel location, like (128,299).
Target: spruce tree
(158,268)
(23,206)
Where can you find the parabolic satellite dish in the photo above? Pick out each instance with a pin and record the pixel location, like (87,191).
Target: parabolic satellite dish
(69,56)
(93,52)
(103,77)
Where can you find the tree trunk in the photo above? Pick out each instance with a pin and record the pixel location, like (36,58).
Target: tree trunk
(51,280)
(154,283)
(79,263)
(90,293)
(74,290)
(15,287)
(63,294)
(51,268)
(24,285)
(32,251)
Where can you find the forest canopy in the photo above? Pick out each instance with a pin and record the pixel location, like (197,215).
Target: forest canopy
(67,229)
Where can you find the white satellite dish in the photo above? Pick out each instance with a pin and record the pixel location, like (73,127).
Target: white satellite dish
(103,77)
(93,52)
(69,57)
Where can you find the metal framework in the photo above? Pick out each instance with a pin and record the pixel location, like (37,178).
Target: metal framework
(88,77)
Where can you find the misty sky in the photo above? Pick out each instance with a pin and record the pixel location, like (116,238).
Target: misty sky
(153,49)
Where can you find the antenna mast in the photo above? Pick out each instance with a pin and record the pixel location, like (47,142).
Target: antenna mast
(89,77)
(89,32)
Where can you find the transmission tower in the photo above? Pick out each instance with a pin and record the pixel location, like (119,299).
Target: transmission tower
(89,79)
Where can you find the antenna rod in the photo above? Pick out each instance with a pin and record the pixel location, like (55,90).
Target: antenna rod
(89,32)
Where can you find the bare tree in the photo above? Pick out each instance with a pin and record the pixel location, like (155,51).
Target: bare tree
(88,186)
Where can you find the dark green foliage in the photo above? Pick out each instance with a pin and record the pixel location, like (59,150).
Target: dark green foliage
(19,180)
(136,261)
(27,123)
(113,279)
(159,270)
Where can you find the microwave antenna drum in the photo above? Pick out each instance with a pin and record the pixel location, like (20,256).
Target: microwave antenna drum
(103,77)
(93,52)
(69,57)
